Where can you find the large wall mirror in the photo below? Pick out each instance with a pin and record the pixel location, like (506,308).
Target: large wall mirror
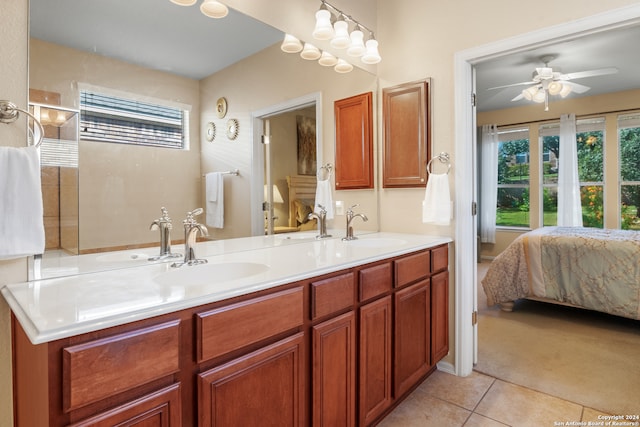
(176,57)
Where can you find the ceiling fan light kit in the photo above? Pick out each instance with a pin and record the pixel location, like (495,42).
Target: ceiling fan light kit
(547,82)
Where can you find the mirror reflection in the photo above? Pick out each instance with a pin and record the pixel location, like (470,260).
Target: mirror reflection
(121,188)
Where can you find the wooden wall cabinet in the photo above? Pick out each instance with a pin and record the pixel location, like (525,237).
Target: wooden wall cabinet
(406,112)
(354,142)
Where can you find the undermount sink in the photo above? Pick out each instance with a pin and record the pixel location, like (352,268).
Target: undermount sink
(299,235)
(376,242)
(205,274)
(122,257)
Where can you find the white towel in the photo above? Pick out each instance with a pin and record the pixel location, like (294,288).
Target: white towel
(21,223)
(436,207)
(324,198)
(215,199)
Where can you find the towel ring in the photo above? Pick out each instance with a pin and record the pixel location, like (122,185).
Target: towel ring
(328,168)
(444,158)
(9,113)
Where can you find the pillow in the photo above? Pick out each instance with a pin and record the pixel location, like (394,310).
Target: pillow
(303,209)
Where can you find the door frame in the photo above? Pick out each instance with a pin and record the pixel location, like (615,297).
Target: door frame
(257,152)
(465,240)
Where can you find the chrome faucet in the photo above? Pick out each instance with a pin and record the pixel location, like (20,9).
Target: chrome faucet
(350,217)
(191,230)
(164,225)
(322,222)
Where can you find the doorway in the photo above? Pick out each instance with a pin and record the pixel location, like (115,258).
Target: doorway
(270,164)
(465,174)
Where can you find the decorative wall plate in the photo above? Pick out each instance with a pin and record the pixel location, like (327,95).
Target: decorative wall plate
(221,107)
(232,129)
(211,131)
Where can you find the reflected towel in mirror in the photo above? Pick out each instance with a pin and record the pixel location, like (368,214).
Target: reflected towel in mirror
(324,198)
(21,222)
(436,207)
(214,182)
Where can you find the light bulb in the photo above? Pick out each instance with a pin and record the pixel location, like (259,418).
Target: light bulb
(554,88)
(357,47)
(566,90)
(214,9)
(343,66)
(310,52)
(341,38)
(323,29)
(291,44)
(327,60)
(371,56)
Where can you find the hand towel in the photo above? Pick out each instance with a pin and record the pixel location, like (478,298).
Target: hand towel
(21,222)
(215,199)
(436,207)
(324,198)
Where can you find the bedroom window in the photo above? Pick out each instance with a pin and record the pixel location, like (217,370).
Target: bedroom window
(590,141)
(513,178)
(107,118)
(629,139)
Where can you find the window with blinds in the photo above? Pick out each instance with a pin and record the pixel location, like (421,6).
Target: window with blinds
(107,118)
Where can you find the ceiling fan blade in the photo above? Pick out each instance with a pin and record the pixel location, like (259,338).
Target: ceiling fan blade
(512,85)
(590,73)
(518,98)
(577,88)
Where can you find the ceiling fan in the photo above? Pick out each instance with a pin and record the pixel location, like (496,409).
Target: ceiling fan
(547,82)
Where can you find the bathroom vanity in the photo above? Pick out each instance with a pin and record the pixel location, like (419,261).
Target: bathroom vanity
(311,333)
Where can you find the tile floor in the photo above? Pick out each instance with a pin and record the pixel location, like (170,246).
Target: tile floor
(445,400)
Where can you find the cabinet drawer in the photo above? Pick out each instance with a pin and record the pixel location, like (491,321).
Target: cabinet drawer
(412,268)
(332,294)
(375,281)
(229,328)
(439,258)
(98,369)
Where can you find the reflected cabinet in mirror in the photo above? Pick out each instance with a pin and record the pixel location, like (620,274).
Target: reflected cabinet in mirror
(407,134)
(158,53)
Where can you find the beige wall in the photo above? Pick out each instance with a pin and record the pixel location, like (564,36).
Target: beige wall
(601,106)
(123,187)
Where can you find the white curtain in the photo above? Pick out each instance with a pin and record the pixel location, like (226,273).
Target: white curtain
(569,206)
(488,183)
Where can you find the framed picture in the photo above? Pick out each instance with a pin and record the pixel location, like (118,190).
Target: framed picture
(306,127)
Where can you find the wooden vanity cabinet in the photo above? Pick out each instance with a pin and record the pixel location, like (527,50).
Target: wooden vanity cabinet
(340,349)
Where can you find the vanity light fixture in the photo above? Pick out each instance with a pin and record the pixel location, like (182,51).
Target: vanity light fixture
(343,66)
(210,8)
(339,34)
(310,52)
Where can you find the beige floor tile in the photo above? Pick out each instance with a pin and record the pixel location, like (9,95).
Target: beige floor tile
(522,407)
(462,391)
(589,414)
(420,410)
(476,420)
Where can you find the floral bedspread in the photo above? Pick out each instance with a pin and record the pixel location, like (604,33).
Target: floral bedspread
(598,269)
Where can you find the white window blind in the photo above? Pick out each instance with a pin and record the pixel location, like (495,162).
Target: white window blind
(107,118)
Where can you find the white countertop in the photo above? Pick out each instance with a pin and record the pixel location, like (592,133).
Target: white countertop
(51,309)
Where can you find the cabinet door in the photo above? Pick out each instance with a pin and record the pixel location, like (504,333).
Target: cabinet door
(334,376)
(354,142)
(160,409)
(265,387)
(375,359)
(407,134)
(412,336)
(439,316)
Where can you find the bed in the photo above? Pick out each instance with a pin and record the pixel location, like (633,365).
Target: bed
(596,269)
(301,199)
